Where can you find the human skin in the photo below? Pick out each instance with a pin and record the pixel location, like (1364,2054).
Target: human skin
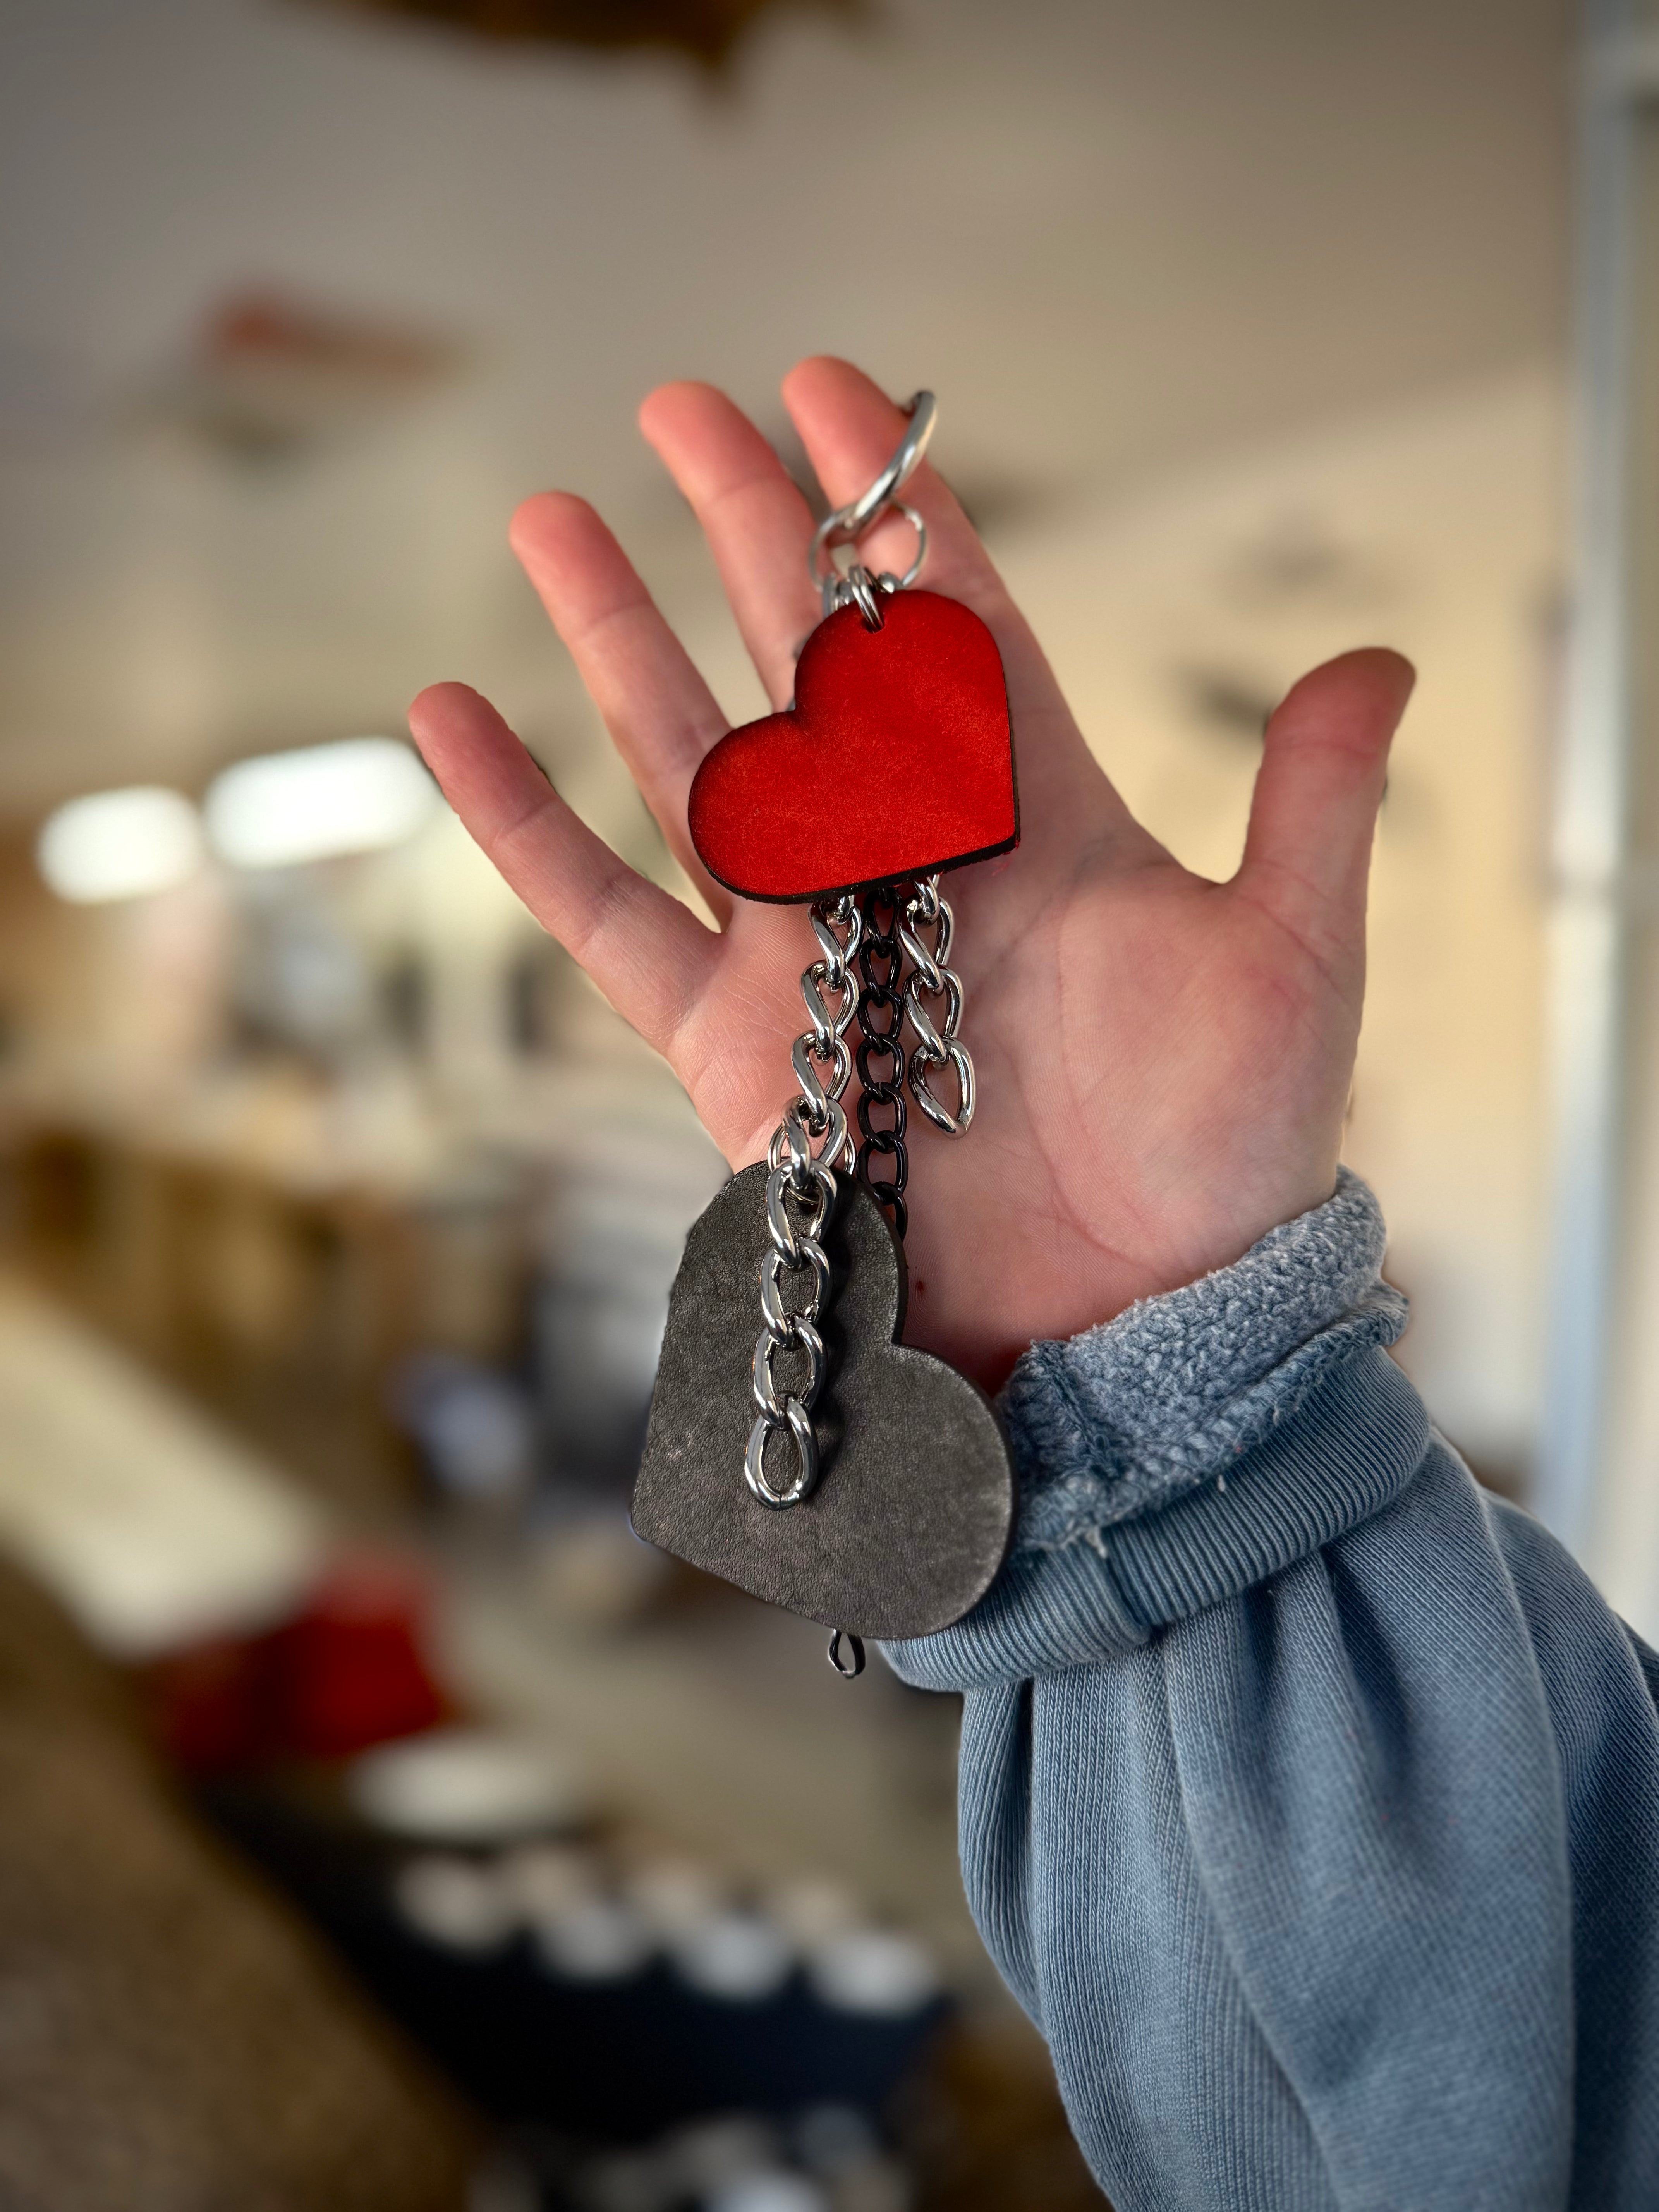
(1163,1061)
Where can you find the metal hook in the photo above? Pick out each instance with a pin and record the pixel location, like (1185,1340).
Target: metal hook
(847,524)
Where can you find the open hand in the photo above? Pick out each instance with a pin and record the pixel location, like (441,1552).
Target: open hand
(1164,1062)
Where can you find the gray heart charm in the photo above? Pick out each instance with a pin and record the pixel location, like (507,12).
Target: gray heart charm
(913,1512)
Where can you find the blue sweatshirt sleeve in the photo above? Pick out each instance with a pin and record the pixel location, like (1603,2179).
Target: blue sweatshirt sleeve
(1310,1795)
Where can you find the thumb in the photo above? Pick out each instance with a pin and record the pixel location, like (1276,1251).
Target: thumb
(1325,757)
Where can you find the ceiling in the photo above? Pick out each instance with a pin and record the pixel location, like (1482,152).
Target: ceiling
(1120,241)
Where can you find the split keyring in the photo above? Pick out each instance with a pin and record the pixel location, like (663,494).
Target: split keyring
(835,589)
(846,525)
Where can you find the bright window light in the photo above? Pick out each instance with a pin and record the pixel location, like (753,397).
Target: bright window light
(354,796)
(120,844)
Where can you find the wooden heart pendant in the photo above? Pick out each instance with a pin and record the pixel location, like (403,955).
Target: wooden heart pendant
(914,1509)
(896,761)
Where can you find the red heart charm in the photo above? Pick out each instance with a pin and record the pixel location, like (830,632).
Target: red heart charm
(896,760)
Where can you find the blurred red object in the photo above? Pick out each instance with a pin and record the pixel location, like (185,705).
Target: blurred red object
(205,1705)
(347,1671)
(352,1670)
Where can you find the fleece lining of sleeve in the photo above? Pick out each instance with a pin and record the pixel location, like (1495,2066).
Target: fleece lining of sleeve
(1182,1452)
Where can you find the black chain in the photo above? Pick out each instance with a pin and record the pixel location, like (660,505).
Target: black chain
(881,1016)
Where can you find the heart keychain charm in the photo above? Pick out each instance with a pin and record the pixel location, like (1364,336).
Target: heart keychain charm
(823,1464)
(892,1543)
(895,762)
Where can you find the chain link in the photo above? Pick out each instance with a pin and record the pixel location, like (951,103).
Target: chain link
(881,1024)
(932,977)
(801,1197)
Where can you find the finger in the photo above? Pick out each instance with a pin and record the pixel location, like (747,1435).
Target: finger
(661,715)
(1307,856)
(648,954)
(758,526)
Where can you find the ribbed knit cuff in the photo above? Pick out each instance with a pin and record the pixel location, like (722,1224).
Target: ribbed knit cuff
(1195,1444)
(1129,1415)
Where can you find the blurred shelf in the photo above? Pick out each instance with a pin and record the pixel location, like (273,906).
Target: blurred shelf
(150,1525)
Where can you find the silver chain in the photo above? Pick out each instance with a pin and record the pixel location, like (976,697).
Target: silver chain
(803,1183)
(799,1179)
(930,977)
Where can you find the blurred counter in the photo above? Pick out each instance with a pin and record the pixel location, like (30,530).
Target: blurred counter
(283,1247)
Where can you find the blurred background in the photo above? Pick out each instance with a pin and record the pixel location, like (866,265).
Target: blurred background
(386,1825)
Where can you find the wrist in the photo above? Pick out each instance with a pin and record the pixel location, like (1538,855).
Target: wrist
(982,1297)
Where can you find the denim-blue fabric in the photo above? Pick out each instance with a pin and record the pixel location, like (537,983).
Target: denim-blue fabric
(1310,1795)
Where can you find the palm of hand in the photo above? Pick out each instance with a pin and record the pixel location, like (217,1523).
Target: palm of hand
(1163,1061)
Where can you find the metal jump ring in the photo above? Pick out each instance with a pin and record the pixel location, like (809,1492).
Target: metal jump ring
(778,1317)
(807,1458)
(826,1025)
(837,953)
(888,1047)
(791,1137)
(886,1144)
(832,584)
(929,960)
(932,1040)
(806,1057)
(859,587)
(774,1403)
(819,1195)
(957,1124)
